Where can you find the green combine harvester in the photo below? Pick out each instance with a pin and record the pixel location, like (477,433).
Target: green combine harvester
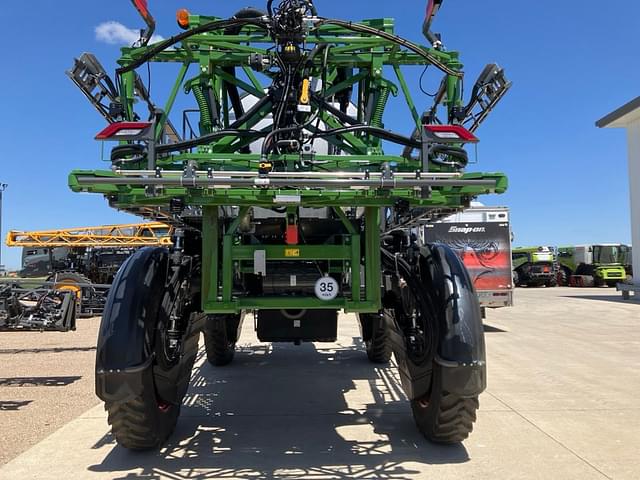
(606,263)
(533,267)
(286,205)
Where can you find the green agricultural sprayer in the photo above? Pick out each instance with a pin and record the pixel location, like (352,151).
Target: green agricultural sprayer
(286,206)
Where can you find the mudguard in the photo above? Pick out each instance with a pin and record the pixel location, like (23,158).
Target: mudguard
(461,353)
(123,356)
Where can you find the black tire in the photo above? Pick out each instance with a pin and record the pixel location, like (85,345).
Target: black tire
(379,348)
(144,420)
(219,347)
(143,423)
(562,278)
(443,417)
(516,279)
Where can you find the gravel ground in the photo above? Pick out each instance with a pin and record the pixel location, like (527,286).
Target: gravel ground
(46,380)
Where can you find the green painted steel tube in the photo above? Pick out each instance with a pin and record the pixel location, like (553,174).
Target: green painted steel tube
(372,255)
(209,255)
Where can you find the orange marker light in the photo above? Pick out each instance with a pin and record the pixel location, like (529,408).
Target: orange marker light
(182,16)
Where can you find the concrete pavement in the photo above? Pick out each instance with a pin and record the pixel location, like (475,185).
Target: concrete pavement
(561,404)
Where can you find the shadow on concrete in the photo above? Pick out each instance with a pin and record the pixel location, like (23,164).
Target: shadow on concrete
(13,351)
(607,298)
(492,329)
(38,381)
(11,405)
(282,411)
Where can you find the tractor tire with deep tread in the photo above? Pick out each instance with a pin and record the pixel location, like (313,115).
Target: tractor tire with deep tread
(142,298)
(379,348)
(562,278)
(142,423)
(146,422)
(444,417)
(220,350)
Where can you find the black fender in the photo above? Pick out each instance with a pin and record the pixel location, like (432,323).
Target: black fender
(124,357)
(461,352)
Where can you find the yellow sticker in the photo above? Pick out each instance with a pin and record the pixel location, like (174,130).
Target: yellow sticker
(291,252)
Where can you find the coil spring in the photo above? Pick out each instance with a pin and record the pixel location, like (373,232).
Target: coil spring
(206,122)
(381,103)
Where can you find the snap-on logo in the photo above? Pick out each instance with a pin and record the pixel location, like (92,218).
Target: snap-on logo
(455,229)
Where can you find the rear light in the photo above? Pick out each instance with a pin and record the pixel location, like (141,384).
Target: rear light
(124,131)
(182,16)
(450,134)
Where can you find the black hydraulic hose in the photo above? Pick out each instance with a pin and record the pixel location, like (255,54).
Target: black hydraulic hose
(309,62)
(356,27)
(232,89)
(323,104)
(186,145)
(458,153)
(251,112)
(207,27)
(375,131)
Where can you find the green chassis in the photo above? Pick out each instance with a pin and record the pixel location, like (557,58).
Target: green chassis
(372,56)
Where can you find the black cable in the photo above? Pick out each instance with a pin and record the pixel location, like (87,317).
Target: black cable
(207,27)
(420,84)
(188,144)
(392,38)
(375,131)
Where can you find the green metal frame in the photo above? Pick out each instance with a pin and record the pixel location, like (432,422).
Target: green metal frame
(369,57)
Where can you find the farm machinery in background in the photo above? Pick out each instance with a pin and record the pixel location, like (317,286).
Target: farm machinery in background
(286,204)
(67,273)
(597,265)
(534,267)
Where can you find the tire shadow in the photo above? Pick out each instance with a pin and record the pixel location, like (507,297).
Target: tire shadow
(281,411)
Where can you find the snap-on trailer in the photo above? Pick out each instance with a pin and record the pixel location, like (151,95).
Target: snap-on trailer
(481,237)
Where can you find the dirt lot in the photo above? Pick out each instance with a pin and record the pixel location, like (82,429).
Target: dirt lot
(46,380)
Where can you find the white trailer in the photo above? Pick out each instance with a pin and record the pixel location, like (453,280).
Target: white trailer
(481,236)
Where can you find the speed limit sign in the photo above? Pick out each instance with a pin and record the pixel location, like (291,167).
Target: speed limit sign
(326,288)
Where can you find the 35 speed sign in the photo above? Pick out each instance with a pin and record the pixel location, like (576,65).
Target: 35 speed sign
(326,288)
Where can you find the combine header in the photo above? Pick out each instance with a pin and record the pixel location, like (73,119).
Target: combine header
(286,205)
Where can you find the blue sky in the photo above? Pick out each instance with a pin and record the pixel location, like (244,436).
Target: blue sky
(571,62)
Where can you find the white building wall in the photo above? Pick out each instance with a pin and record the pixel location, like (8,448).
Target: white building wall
(633,133)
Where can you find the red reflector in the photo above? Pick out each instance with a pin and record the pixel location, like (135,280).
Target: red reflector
(291,235)
(452,133)
(123,129)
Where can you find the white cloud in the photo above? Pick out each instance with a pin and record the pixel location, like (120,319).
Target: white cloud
(114,33)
